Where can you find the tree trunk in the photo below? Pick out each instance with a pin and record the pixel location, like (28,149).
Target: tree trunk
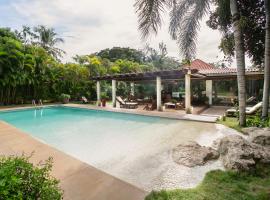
(266,62)
(240,60)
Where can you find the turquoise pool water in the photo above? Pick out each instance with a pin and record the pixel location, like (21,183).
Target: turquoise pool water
(134,148)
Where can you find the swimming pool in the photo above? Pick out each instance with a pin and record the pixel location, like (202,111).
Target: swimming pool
(134,148)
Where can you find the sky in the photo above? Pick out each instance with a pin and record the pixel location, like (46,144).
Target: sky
(88,26)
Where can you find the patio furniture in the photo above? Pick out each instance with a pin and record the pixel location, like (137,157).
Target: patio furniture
(249,110)
(84,99)
(152,107)
(170,105)
(124,104)
(176,106)
(251,100)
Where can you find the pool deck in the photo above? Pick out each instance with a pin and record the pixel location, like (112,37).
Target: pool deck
(172,114)
(79,180)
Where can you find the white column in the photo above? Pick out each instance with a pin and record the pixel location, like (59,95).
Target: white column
(98,91)
(158,88)
(132,85)
(114,93)
(209,91)
(188,92)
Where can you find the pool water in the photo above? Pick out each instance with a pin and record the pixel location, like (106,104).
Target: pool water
(134,148)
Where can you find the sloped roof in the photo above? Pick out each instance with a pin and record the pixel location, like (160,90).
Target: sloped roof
(208,69)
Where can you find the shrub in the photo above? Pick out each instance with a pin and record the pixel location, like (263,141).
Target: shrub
(19,179)
(256,121)
(64,98)
(104,96)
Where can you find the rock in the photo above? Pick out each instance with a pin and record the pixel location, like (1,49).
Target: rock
(249,130)
(192,154)
(261,136)
(240,154)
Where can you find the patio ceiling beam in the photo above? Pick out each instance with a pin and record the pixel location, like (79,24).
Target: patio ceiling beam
(168,74)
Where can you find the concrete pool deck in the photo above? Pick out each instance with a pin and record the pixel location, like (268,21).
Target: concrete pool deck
(209,118)
(79,180)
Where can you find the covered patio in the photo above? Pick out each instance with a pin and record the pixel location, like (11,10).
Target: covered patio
(198,71)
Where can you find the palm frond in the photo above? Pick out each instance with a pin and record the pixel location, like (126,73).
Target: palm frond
(149,15)
(187,28)
(177,13)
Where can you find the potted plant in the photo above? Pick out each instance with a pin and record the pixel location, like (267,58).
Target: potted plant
(65,98)
(104,98)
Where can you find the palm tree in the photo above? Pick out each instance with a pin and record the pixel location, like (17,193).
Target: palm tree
(266,61)
(185,16)
(47,39)
(240,60)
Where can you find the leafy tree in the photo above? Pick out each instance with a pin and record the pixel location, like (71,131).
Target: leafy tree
(252,23)
(117,53)
(159,58)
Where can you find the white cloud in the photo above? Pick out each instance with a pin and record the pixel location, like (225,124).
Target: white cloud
(91,25)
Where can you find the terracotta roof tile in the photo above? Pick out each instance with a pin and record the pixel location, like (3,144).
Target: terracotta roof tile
(206,68)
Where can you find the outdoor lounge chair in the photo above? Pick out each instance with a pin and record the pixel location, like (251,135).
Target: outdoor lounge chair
(124,104)
(84,99)
(249,110)
(152,107)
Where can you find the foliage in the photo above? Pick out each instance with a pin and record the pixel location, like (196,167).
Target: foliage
(64,96)
(231,122)
(120,53)
(184,20)
(159,58)
(252,23)
(257,121)
(126,60)
(104,96)
(223,185)
(28,71)
(19,179)
(44,37)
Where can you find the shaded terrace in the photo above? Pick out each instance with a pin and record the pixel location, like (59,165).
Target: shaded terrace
(197,71)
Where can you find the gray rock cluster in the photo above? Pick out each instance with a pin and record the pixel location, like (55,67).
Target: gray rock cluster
(236,152)
(240,154)
(192,154)
(259,136)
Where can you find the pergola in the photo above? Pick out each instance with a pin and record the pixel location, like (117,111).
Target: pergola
(198,70)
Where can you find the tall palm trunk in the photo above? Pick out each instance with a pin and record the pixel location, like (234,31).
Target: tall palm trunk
(240,60)
(266,62)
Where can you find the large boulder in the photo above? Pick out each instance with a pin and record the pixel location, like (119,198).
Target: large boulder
(192,154)
(240,154)
(249,130)
(261,136)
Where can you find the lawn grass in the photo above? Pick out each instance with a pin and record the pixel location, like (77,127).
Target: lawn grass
(231,122)
(223,185)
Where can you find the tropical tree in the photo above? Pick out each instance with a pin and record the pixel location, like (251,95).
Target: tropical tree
(252,23)
(47,39)
(185,16)
(123,53)
(159,58)
(266,61)
(240,60)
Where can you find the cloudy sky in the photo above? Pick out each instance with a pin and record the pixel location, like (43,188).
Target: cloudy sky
(91,25)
